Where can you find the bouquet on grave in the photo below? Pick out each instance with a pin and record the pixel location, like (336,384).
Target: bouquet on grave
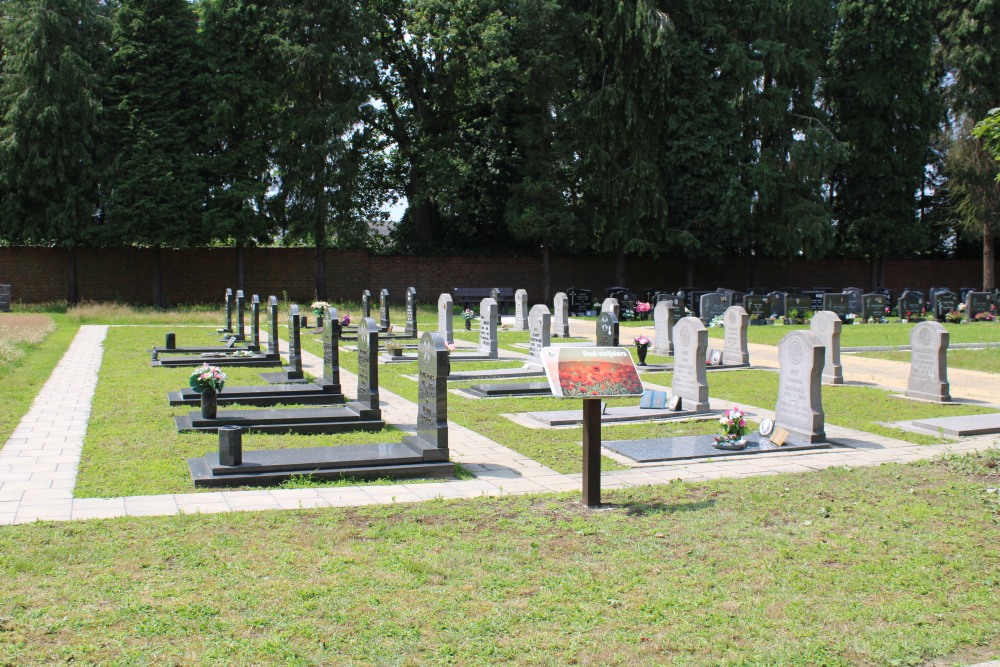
(468,314)
(207,378)
(345,320)
(319,307)
(641,341)
(642,307)
(734,430)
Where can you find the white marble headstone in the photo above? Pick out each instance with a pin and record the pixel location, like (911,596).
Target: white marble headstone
(690,382)
(800,405)
(446,321)
(488,327)
(521,310)
(735,351)
(560,321)
(610,305)
(929,363)
(663,328)
(826,326)
(539,326)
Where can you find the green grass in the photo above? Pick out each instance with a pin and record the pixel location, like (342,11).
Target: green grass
(23,377)
(875,566)
(986,360)
(875,335)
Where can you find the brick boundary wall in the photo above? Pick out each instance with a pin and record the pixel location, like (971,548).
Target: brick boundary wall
(201,275)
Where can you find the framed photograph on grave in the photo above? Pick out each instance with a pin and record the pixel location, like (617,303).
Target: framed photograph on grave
(766,427)
(591,372)
(674,403)
(716,358)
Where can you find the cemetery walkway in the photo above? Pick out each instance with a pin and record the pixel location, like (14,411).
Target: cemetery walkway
(39,463)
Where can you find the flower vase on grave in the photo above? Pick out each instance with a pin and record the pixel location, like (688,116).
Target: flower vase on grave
(468,325)
(319,321)
(209,404)
(642,350)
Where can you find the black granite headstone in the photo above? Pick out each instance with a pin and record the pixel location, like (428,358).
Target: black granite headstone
(383,310)
(331,351)
(977,302)
(802,303)
(910,306)
(712,305)
(255,321)
(873,306)
(432,395)
(580,300)
(368,363)
(757,307)
(607,330)
(944,302)
(854,295)
(366,304)
(241,327)
(294,368)
(411,312)
(5,298)
(777,302)
(229,312)
(272,325)
(839,304)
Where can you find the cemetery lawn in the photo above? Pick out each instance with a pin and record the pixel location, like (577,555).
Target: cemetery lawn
(29,365)
(860,408)
(875,335)
(986,360)
(887,565)
(132,446)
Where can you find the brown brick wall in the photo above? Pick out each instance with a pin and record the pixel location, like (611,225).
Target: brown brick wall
(201,275)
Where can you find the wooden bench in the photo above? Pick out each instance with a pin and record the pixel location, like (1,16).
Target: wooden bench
(471,297)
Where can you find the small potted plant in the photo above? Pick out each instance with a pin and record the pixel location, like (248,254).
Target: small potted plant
(468,314)
(734,430)
(208,381)
(395,348)
(641,348)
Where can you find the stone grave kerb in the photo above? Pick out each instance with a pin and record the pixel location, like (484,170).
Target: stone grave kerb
(827,327)
(255,320)
(411,312)
(928,379)
(272,326)
(663,328)
(799,409)
(521,310)
(331,350)
(539,336)
(607,330)
(433,366)
(488,328)
(560,320)
(446,317)
(690,380)
(294,369)
(735,350)
(383,310)
(241,328)
(366,304)
(368,395)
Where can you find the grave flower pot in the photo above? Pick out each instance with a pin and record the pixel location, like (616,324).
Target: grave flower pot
(468,325)
(209,404)
(396,352)
(642,350)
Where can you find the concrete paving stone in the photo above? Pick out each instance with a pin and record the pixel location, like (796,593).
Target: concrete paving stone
(205,508)
(96,513)
(61,511)
(98,503)
(253,503)
(8,518)
(9,506)
(281,494)
(64,484)
(25,485)
(301,503)
(195,498)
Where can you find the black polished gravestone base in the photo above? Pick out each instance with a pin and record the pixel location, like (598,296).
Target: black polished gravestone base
(512,390)
(272,467)
(694,447)
(220,359)
(338,419)
(320,393)
(287,375)
(157,351)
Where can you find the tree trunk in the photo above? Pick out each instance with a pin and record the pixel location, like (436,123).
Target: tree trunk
(546,274)
(72,286)
(620,267)
(240,259)
(320,235)
(989,282)
(159,301)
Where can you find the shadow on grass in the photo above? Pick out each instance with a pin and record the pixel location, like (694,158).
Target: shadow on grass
(651,509)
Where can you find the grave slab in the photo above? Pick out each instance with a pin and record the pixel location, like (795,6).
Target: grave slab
(961,426)
(694,447)
(634,413)
(338,419)
(511,390)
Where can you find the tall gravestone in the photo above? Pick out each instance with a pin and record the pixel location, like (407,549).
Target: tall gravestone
(690,381)
(255,321)
(368,398)
(229,312)
(241,325)
(383,310)
(607,330)
(610,305)
(495,295)
(735,350)
(434,366)
(800,405)
(411,312)
(272,326)
(929,363)
(294,368)
(712,305)
(488,328)
(366,304)
(663,328)
(331,351)
(521,310)
(446,319)
(560,321)
(539,328)
(826,326)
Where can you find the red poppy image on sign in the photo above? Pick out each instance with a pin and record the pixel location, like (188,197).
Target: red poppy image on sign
(591,372)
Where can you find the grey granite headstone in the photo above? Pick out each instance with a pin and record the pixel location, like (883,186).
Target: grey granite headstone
(383,310)
(255,320)
(331,350)
(241,326)
(434,366)
(560,321)
(873,306)
(446,320)
(521,310)
(294,368)
(368,363)
(800,405)
(411,312)
(607,330)
(735,350)
(488,328)
(610,305)
(977,302)
(272,325)
(690,382)
(712,305)
(366,304)
(929,363)
(826,326)
(539,326)
(854,295)
(663,328)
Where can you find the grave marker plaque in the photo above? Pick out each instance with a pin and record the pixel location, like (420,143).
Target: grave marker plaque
(690,383)
(560,322)
(735,351)
(873,306)
(368,363)
(446,319)
(539,326)
(713,304)
(977,302)
(331,350)
(663,328)
(607,330)
(826,326)
(944,302)
(928,379)
(839,304)
(383,310)
(294,368)
(366,304)
(580,300)
(799,410)
(488,328)
(411,312)
(910,306)
(434,366)
(521,310)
